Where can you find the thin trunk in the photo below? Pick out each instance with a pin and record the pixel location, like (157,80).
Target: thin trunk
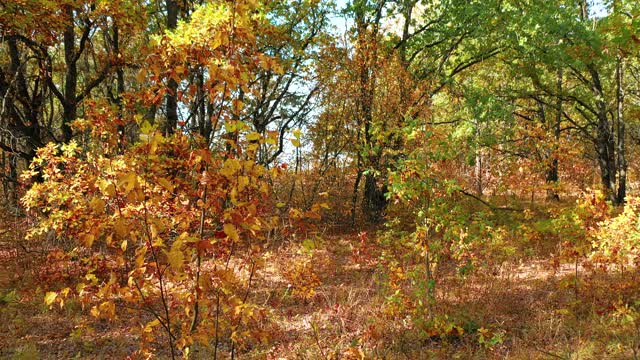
(605,142)
(196,305)
(10,177)
(203,121)
(552,171)
(354,198)
(119,70)
(5,178)
(584,10)
(119,80)
(407,13)
(150,114)
(621,160)
(22,123)
(477,167)
(374,202)
(70,108)
(172,93)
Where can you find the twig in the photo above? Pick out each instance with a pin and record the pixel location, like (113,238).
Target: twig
(551,354)
(487,204)
(317,338)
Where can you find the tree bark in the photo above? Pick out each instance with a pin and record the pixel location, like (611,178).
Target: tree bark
(374,201)
(478,162)
(172,94)
(70,107)
(605,142)
(552,171)
(621,159)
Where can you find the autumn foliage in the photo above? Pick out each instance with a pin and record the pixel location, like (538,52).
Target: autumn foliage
(316,179)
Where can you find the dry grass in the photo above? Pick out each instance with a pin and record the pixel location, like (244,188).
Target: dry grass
(534,305)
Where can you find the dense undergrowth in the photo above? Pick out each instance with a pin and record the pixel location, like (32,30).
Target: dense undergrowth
(550,281)
(250,179)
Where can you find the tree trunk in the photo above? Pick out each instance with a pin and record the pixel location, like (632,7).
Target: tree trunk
(552,171)
(120,82)
(354,197)
(621,160)
(606,159)
(375,201)
(21,123)
(605,142)
(70,107)
(478,162)
(172,93)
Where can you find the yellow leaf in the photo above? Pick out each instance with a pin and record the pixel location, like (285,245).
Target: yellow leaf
(123,246)
(97,205)
(563,311)
(295,142)
(142,75)
(271,141)
(146,128)
(230,167)
(139,260)
(88,240)
(175,257)
(165,184)
(120,227)
(155,141)
(201,338)
(106,187)
(150,325)
(237,105)
(253,136)
(253,147)
(128,182)
(92,278)
(243,182)
(50,297)
(216,41)
(108,309)
(230,127)
(231,232)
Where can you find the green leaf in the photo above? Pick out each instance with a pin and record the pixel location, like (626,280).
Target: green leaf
(309,244)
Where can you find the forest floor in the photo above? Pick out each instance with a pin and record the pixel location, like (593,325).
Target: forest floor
(531,308)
